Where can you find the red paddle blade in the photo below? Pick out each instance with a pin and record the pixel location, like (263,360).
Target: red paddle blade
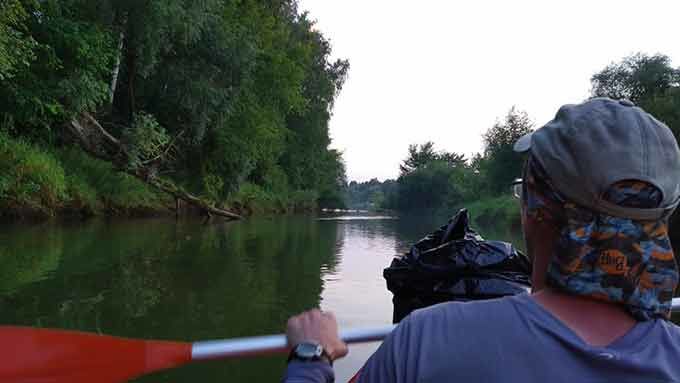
(31,355)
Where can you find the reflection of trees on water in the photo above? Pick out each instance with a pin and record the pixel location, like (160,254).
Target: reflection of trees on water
(411,228)
(509,234)
(164,280)
(139,283)
(26,260)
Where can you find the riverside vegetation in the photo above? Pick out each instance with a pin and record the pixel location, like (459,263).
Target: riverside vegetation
(441,181)
(123,107)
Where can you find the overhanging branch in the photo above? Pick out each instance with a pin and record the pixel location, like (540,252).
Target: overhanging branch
(99,143)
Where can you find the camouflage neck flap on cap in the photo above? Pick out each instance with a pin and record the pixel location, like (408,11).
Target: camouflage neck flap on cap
(604,257)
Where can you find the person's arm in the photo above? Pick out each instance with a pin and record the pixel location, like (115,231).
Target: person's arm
(317,327)
(388,364)
(309,372)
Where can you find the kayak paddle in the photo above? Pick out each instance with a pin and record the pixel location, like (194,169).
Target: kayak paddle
(59,356)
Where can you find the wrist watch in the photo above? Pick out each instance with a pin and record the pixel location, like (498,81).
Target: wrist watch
(309,352)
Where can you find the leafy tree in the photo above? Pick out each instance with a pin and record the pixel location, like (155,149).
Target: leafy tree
(435,180)
(418,156)
(453,159)
(211,95)
(430,187)
(649,81)
(500,164)
(373,195)
(421,155)
(17,47)
(637,77)
(307,138)
(333,184)
(147,142)
(72,58)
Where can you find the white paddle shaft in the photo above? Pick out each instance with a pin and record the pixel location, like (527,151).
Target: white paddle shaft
(276,344)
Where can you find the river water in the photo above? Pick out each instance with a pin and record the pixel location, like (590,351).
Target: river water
(161,279)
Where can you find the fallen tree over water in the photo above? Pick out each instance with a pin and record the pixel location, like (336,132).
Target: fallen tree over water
(98,142)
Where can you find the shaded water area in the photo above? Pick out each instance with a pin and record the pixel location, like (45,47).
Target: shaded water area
(161,279)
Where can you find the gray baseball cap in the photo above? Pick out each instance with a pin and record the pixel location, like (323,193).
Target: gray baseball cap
(589,147)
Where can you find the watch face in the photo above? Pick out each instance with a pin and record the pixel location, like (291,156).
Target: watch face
(308,350)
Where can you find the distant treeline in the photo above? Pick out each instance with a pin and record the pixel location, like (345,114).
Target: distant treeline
(227,100)
(432,180)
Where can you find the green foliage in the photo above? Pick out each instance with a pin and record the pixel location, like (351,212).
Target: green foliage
(418,156)
(16,46)
(214,94)
(69,72)
(146,141)
(30,176)
(309,163)
(256,199)
(421,156)
(430,186)
(440,180)
(637,78)
(332,181)
(303,200)
(95,186)
(500,211)
(48,181)
(213,186)
(370,195)
(433,180)
(252,89)
(253,197)
(81,194)
(500,164)
(360,194)
(649,81)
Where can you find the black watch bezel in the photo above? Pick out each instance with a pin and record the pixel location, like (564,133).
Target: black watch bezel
(309,352)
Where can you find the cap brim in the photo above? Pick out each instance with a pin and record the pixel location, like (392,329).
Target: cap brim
(524,143)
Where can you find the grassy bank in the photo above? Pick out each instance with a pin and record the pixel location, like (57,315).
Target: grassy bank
(252,199)
(500,211)
(40,183)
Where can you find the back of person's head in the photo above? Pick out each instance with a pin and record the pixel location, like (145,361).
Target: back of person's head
(606,176)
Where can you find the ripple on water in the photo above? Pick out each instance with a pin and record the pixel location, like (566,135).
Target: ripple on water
(358,218)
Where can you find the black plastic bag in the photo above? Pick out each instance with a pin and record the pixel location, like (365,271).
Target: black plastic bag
(455,264)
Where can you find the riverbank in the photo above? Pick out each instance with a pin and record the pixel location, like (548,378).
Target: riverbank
(40,183)
(500,211)
(504,212)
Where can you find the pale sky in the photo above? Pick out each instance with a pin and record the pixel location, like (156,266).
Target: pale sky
(445,70)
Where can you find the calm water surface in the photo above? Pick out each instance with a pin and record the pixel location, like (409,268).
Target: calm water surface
(161,279)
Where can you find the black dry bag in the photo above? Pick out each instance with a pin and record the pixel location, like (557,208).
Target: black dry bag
(455,263)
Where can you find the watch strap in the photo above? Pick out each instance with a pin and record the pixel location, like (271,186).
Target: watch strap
(293,355)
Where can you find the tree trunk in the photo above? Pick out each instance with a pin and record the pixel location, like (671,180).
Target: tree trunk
(176,192)
(94,139)
(131,59)
(116,66)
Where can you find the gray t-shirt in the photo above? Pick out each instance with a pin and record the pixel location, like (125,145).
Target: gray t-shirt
(512,340)
(516,340)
